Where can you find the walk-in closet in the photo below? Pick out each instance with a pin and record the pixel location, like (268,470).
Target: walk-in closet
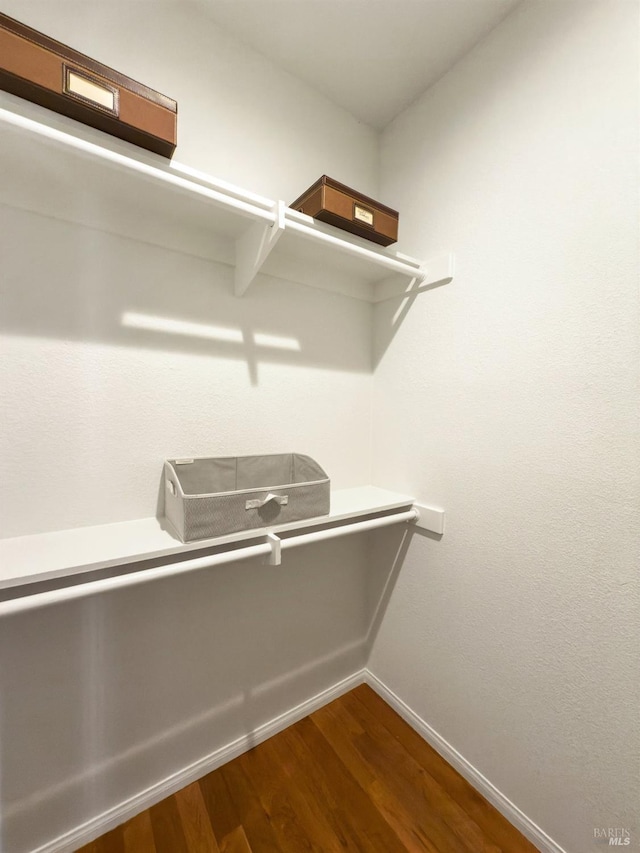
(319,379)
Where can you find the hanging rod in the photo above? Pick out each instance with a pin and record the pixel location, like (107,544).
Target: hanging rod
(272,547)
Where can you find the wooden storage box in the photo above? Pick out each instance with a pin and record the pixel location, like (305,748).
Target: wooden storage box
(53,75)
(332,202)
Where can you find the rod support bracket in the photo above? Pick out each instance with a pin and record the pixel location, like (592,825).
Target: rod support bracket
(275,557)
(429,518)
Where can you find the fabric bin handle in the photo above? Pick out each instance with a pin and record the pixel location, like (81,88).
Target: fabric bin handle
(257,503)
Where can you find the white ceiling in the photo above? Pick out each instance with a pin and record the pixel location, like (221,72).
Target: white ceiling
(372,57)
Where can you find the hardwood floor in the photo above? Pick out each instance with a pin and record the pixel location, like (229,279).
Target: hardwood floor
(352,776)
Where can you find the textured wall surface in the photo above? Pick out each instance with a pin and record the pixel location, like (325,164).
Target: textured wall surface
(510,397)
(93,405)
(102,699)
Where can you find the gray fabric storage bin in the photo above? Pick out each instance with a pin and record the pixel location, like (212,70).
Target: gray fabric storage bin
(215,496)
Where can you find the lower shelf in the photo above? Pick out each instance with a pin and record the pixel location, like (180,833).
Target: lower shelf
(46,556)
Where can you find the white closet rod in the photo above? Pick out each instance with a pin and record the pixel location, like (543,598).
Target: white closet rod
(82,590)
(57,596)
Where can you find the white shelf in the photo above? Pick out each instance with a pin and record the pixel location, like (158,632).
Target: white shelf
(29,559)
(81,175)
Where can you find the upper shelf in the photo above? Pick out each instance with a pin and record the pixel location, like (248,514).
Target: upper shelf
(81,175)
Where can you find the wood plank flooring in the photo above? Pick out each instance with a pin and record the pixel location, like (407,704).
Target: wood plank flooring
(352,776)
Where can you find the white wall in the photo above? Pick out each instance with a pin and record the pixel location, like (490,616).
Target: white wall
(93,407)
(102,699)
(510,397)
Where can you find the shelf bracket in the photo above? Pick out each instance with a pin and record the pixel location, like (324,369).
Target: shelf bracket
(437,271)
(254,247)
(429,518)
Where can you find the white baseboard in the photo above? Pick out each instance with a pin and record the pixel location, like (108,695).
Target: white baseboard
(527,827)
(92,829)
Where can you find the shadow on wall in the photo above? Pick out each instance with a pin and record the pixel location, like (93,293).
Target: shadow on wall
(390,314)
(387,552)
(103,697)
(135,295)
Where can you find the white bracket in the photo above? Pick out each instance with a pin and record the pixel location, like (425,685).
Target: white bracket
(275,557)
(254,247)
(437,271)
(429,518)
